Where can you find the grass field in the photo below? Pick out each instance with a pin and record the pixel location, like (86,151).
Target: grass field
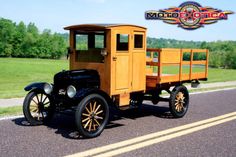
(14,110)
(16,73)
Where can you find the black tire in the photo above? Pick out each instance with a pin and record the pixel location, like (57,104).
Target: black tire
(155,97)
(179,101)
(155,101)
(92,115)
(38,108)
(137,99)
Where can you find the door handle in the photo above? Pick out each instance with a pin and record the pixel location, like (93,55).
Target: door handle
(114,58)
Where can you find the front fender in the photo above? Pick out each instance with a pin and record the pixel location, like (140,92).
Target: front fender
(36,85)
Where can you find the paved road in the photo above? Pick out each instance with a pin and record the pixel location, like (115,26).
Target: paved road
(60,139)
(19,101)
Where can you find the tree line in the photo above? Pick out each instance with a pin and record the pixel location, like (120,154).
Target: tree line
(21,40)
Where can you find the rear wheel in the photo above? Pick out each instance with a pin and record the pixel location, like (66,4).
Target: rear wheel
(92,115)
(179,101)
(38,108)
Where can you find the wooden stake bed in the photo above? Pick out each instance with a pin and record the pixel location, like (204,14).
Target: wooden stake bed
(174,58)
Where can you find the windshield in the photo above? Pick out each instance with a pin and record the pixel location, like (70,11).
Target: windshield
(89,45)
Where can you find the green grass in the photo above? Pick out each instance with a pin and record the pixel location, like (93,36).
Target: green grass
(16,73)
(7,111)
(221,75)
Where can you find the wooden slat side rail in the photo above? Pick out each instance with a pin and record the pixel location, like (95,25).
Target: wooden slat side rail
(159,65)
(200,62)
(195,50)
(153,50)
(154,80)
(180,65)
(171,56)
(152,63)
(171,64)
(185,62)
(207,59)
(191,65)
(199,50)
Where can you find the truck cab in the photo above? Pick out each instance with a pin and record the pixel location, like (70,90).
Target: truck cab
(116,51)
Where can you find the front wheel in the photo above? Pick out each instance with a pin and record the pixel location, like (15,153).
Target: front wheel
(92,115)
(38,108)
(179,101)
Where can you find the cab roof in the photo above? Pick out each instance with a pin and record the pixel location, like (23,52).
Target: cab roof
(101,27)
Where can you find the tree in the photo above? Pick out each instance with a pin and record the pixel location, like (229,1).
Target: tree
(19,37)
(31,28)
(7,30)
(230,59)
(58,46)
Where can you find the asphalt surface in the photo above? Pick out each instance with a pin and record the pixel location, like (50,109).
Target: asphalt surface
(60,138)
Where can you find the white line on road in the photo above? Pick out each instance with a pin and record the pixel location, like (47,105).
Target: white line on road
(11,117)
(163,138)
(210,91)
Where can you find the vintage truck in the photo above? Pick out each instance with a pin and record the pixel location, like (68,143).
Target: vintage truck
(111,66)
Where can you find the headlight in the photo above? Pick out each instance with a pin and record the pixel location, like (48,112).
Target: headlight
(71,91)
(47,88)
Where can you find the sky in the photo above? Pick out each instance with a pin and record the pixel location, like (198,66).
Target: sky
(56,14)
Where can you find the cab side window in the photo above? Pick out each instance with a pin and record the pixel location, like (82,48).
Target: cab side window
(122,42)
(138,41)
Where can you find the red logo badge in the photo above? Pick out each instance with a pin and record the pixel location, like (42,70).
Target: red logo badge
(189,15)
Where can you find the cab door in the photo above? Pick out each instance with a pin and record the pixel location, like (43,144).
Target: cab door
(138,61)
(121,62)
